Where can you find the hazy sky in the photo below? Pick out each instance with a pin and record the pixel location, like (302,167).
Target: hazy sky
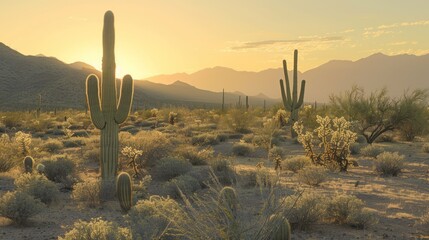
(169,36)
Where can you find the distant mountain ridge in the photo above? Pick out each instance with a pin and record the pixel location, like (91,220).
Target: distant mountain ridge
(397,73)
(23,78)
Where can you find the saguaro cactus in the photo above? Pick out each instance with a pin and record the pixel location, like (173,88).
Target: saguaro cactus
(124,191)
(28,164)
(106,113)
(280,228)
(291,101)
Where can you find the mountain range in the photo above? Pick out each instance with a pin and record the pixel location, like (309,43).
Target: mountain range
(23,78)
(397,73)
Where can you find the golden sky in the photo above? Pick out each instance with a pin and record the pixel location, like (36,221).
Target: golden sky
(169,36)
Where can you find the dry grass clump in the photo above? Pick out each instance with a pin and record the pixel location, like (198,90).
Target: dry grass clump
(87,193)
(312,175)
(19,206)
(185,184)
(242,149)
(52,145)
(195,156)
(171,167)
(205,139)
(97,228)
(371,150)
(38,186)
(389,163)
(295,163)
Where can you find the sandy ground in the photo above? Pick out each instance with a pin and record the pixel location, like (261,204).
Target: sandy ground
(399,201)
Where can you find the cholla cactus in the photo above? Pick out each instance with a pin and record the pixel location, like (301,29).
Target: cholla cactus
(23,140)
(334,137)
(172,118)
(132,154)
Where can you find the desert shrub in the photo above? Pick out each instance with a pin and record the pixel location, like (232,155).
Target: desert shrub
(96,229)
(248,138)
(355,148)
(147,219)
(242,149)
(305,209)
(170,167)
(205,139)
(239,120)
(295,163)
(334,137)
(223,169)
(19,206)
(52,145)
(385,138)
(341,206)
(141,189)
(58,170)
(194,156)
(389,163)
(360,139)
(92,155)
(74,142)
(155,145)
(371,151)
(87,193)
(38,186)
(187,185)
(312,175)
(264,178)
(425,147)
(362,219)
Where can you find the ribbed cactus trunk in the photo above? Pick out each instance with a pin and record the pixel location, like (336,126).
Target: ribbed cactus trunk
(290,99)
(106,113)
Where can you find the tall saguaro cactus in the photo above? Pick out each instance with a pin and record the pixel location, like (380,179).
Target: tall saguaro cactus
(106,112)
(291,101)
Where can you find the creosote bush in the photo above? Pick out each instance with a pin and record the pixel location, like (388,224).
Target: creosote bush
(58,170)
(87,193)
(38,186)
(371,150)
(52,145)
(96,229)
(425,147)
(362,219)
(194,156)
(170,167)
(186,183)
(205,139)
(312,175)
(242,149)
(19,206)
(305,209)
(341,206)
(389,163)
(295,163)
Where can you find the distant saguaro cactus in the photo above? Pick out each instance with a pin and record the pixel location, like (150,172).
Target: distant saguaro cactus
(28,164)
(124,191)
(106,113)
(290,99)
(247,103)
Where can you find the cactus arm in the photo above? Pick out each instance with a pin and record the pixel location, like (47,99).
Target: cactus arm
(93,99)
(285,99)
(295,77)
(125,99)
(301,95)
(289,100)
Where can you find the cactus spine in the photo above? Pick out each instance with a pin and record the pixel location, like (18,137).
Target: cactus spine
(280,228)
(290,99)
(28,164)
(124,191)
(106,113)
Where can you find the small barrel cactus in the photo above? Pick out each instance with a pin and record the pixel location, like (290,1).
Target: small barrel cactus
(124,191)
(228,199)
(28,164)
(280,228)
(40,168)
